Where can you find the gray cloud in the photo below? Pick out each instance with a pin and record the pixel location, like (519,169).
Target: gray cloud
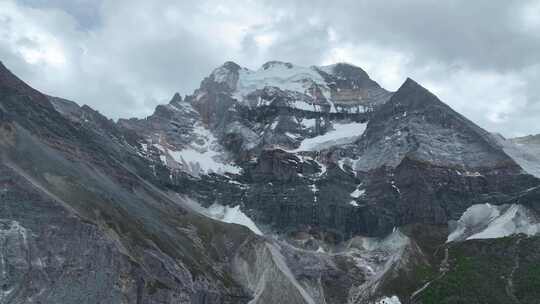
(480,33)
(86,12)
(123,57)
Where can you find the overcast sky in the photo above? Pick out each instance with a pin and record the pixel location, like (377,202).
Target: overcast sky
(123,57)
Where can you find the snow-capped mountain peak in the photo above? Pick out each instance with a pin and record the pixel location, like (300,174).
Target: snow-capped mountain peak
(284,76)
(336,88)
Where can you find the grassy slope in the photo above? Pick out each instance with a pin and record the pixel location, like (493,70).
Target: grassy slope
(481,271)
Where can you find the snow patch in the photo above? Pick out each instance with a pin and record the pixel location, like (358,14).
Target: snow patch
(315,191)
(472,174)
(343,133)
(287,78)
(389,300)
(357,193)
(303,105)
(393,183)
(349,162)
(309,123)
(203,156)
(292,136)
(202,162)
(232,215)
(390,243)
(526,156)
(226,214)
(486,221)
(517,219)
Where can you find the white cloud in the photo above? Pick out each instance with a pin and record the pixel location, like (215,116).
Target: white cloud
(140,52)
(387,67)
(31,40)
(491,99)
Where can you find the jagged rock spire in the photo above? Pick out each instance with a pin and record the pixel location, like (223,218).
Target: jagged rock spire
(177,98)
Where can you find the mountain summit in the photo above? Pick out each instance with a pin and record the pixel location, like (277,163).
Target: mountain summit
(415,123)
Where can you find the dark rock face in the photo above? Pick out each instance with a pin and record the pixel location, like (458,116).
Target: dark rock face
(351,85)
(528,198)
(52,256)
(281,166)
(416,123)
(174,121)
(10,84)
(418,192)
(426,163)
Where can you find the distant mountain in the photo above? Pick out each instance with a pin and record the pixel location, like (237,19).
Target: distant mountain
(524,150)
(284,184)
(532,142)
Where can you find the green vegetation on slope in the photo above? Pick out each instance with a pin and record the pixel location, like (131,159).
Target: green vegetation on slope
(493,271)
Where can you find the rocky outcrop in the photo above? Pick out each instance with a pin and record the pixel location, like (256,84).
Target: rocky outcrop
(352,88)
(279,165)
(11,85)
(51,255)
(173,122)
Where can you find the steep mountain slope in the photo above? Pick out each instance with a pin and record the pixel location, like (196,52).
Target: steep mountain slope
(415,124)
(526,151)
(82,225)
(532,142)
(427,163)
(348,194)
